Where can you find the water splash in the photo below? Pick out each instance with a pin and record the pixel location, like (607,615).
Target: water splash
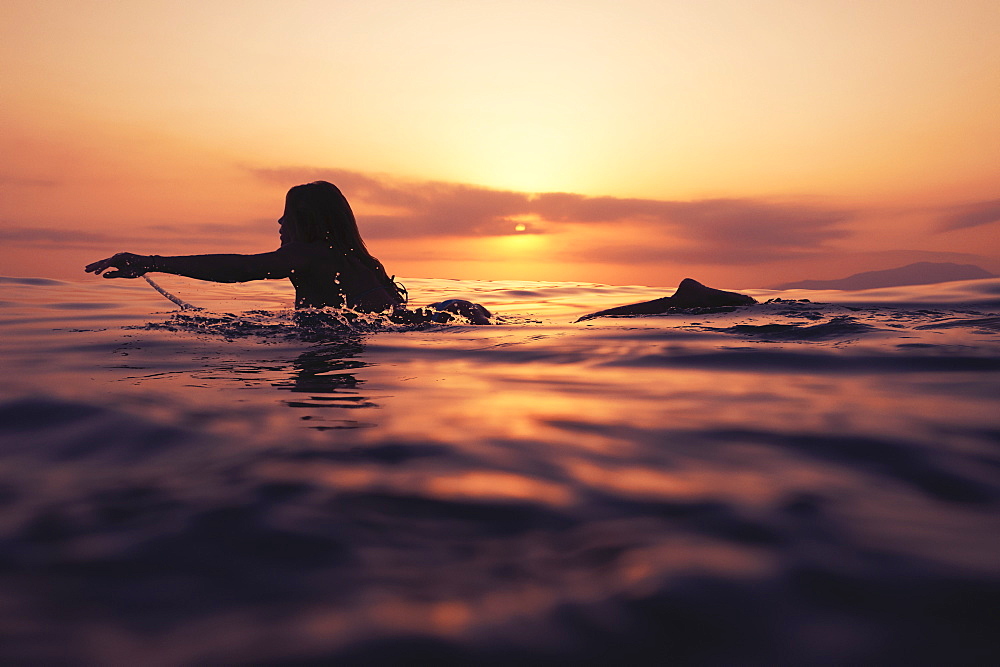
(184,305)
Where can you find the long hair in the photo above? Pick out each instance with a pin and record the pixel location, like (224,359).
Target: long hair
(320,212)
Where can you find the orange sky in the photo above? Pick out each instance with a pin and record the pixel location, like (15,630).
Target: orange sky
(741,143)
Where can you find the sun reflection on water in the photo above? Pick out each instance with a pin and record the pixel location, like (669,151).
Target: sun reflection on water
(259,490)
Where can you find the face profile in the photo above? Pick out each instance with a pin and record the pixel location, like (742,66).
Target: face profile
(286,231)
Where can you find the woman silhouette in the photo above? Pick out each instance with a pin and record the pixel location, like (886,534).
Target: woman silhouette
(321,252)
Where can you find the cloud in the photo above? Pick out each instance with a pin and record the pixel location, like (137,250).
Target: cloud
(428,208)
(51,235)
(136,238)
(21,182)
(710,230)
(970,215)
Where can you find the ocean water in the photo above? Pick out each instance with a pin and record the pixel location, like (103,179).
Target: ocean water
(798,482)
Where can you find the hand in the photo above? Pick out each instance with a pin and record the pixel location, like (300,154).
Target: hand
(126,264)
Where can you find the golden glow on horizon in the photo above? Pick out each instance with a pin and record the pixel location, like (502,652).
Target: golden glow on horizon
(521,247)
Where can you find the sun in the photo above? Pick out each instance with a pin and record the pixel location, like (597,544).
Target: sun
(525,242)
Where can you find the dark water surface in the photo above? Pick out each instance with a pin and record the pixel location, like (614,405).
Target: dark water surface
(791,483)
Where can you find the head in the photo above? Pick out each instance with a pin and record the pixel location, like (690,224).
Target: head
(320,212)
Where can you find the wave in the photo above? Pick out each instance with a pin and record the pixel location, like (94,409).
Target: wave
(842,326)
(712,545)
(981,293)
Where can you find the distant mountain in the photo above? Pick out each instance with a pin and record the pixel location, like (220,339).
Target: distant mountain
(921,273)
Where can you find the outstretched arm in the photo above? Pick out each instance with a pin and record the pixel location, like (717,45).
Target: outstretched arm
(217,268)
